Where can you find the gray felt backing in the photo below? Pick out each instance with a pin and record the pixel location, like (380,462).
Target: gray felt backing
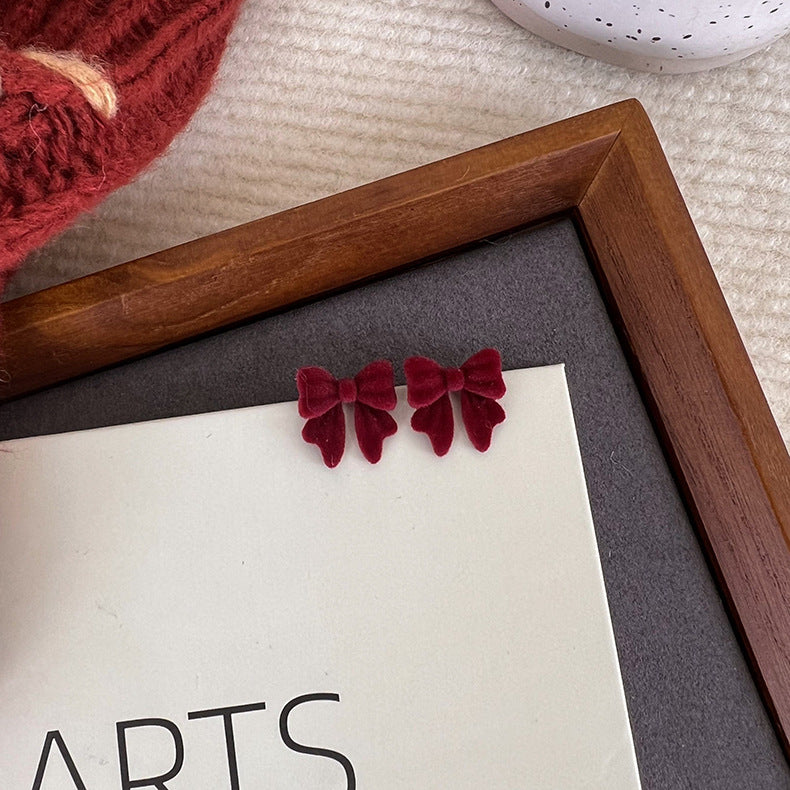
(697,719)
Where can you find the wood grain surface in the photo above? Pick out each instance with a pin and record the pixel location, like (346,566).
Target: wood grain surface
(703,395)
(139,307)
(605,168)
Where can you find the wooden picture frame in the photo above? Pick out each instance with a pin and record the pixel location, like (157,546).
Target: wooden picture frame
(606,169)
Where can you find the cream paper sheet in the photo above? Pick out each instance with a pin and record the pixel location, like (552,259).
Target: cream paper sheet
(422,623)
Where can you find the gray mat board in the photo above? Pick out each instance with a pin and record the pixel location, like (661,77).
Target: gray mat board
(697,719)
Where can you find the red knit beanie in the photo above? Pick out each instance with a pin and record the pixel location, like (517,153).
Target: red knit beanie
(90,92)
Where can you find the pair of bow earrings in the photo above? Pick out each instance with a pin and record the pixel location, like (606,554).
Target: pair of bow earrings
(428,388)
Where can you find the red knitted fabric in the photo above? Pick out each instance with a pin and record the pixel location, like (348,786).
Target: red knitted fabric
(59,155)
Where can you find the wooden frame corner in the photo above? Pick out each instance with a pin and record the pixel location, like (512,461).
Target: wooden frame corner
(604,168)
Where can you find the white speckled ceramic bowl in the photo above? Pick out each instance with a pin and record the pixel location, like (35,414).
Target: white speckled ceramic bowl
(669,36)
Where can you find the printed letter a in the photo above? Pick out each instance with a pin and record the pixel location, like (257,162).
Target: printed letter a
(55,737)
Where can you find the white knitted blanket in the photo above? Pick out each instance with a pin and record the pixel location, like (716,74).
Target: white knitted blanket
(313,98)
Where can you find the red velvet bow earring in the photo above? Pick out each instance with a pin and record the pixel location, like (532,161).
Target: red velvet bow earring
(321,399)
(480,382)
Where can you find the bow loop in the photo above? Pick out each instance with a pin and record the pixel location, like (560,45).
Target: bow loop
(318,391)
(425,381)
(376,385)
(483,374)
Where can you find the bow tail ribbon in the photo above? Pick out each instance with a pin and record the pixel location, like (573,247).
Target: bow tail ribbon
(436,420)
(480,415)
(328,432)
(372,426)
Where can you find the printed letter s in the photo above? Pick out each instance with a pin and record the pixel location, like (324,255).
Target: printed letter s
(351,780)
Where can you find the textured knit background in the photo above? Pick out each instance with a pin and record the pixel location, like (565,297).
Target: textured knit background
(90,92)
(315,98)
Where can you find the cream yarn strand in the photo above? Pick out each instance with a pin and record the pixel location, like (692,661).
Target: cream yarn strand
(89,79)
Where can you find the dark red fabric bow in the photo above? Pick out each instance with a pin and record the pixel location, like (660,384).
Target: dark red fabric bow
(321,399)
(480,382)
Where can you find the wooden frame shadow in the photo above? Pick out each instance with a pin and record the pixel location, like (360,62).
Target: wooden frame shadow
(604,168)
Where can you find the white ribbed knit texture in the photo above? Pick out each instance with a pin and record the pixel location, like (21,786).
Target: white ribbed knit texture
(315,98)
